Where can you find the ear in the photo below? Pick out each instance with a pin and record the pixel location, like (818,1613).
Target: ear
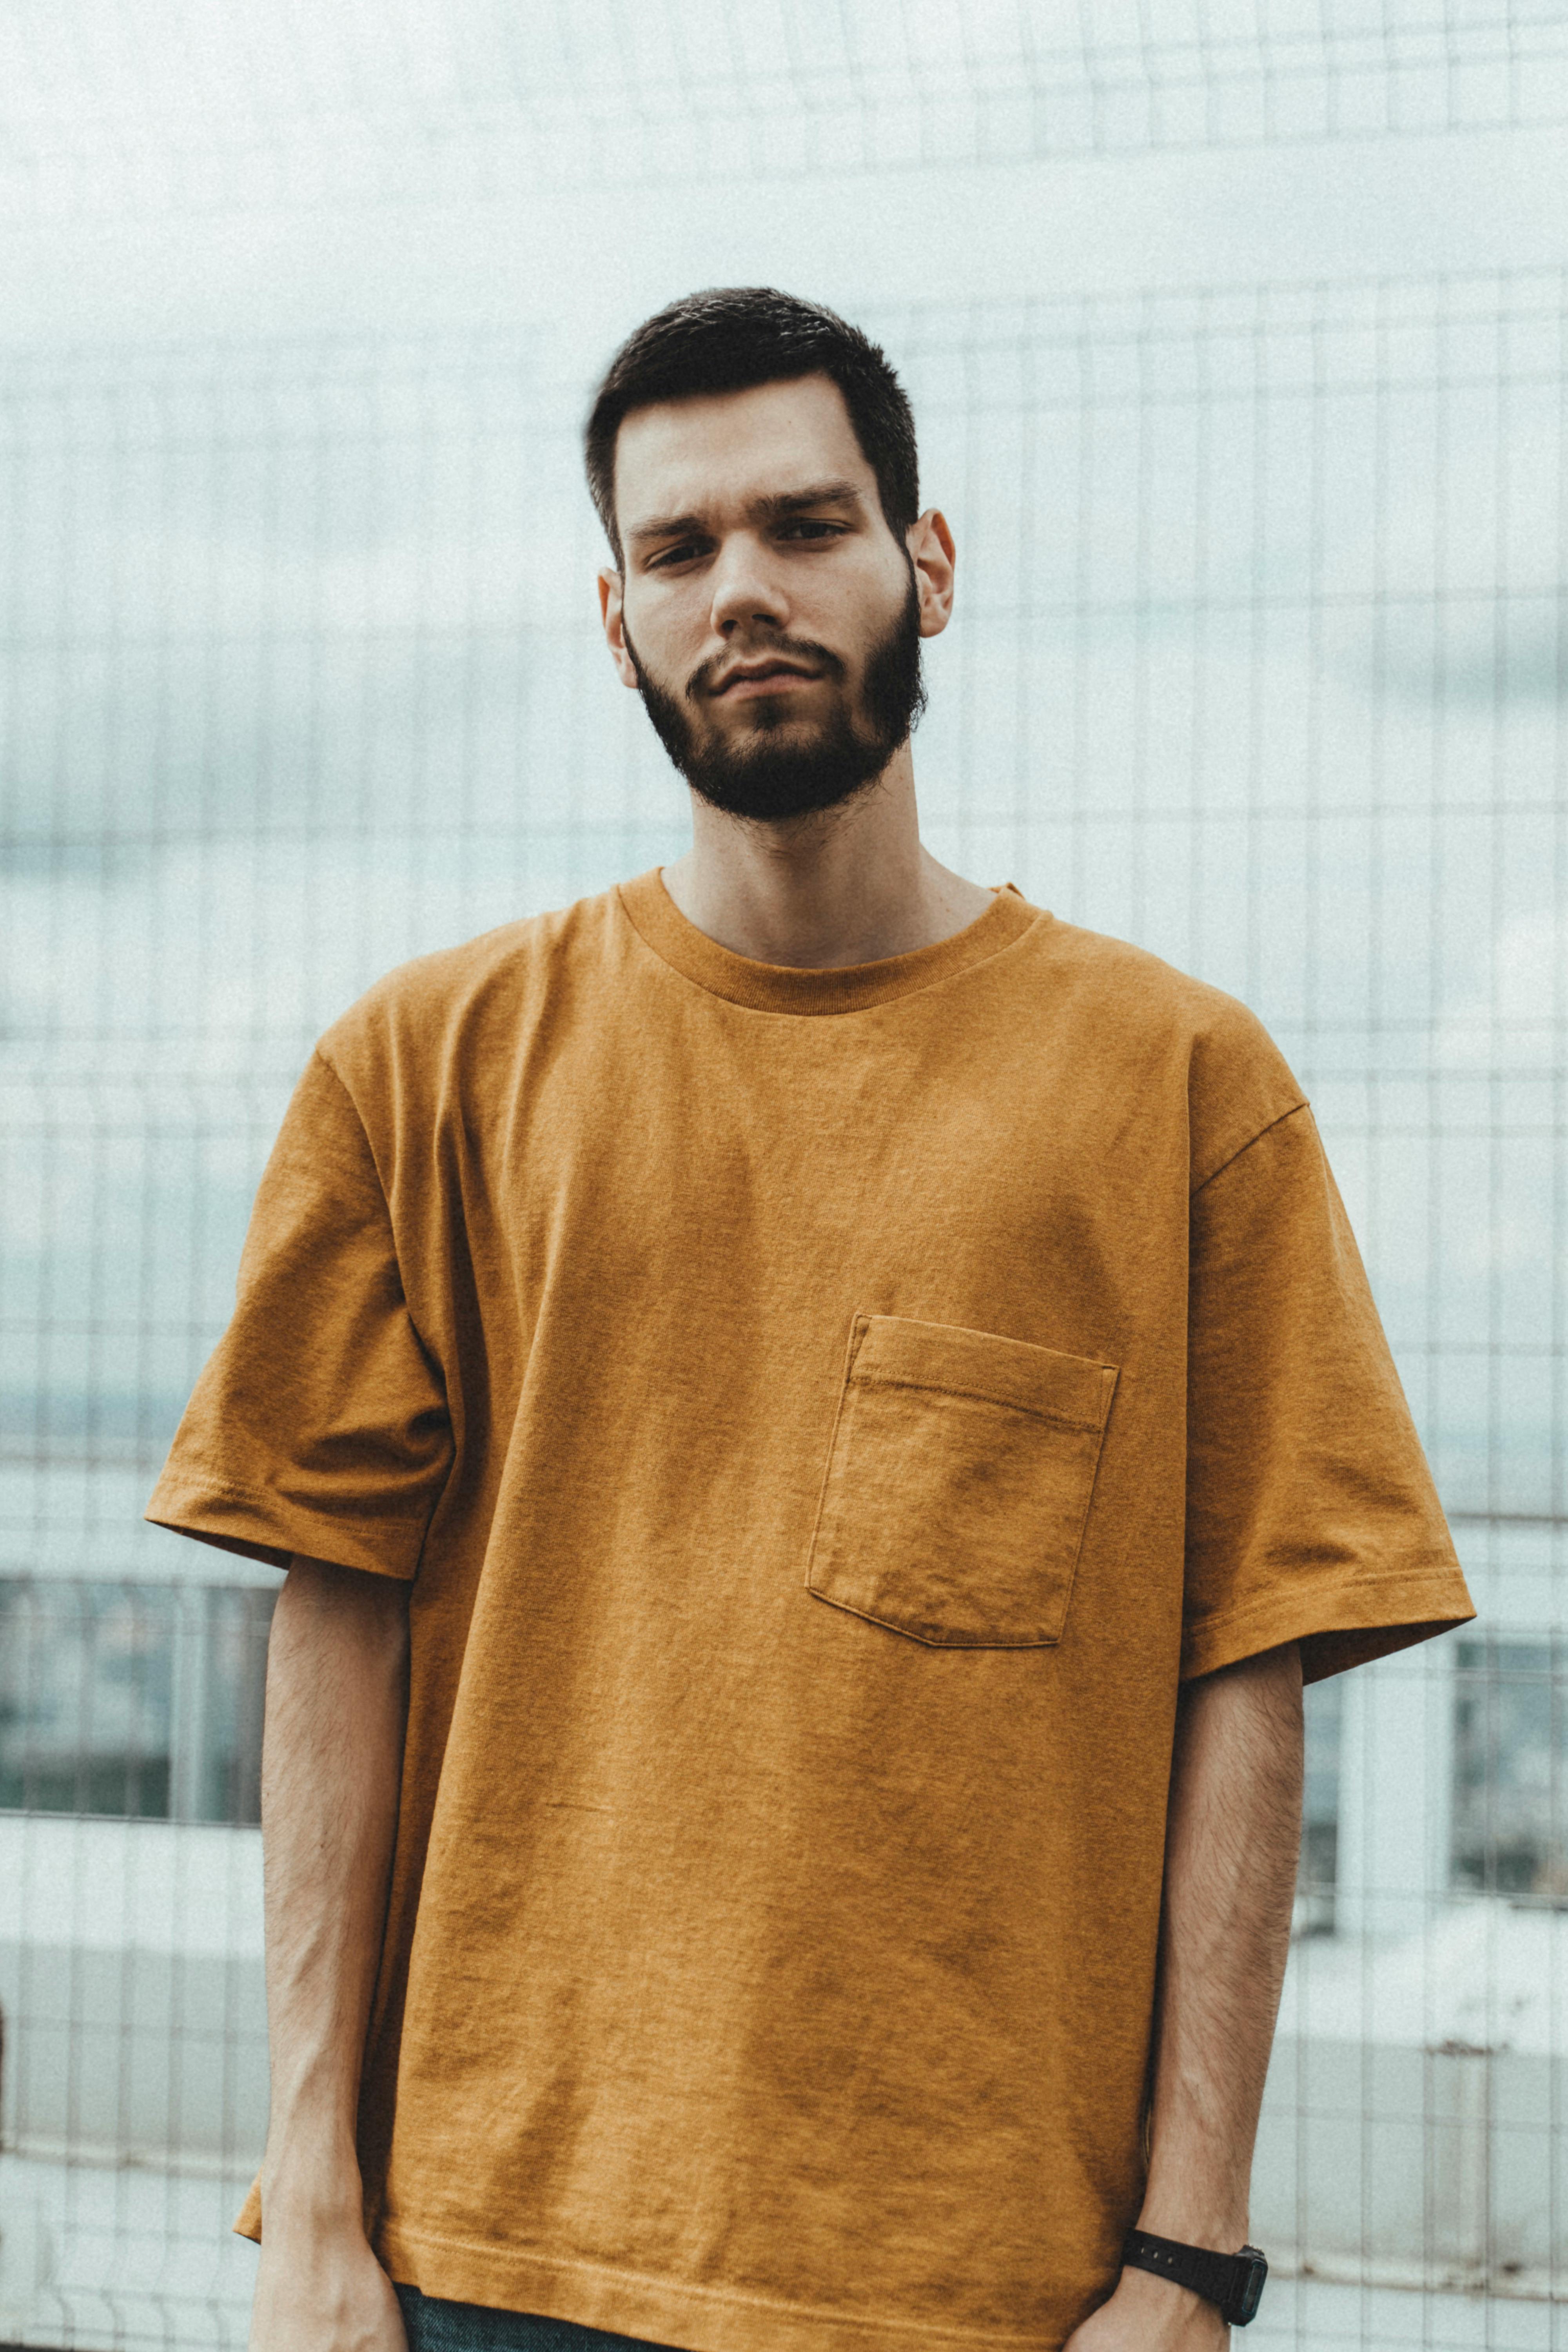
(611,588)
(931,552)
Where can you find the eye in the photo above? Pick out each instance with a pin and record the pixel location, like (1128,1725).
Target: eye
(680,553)
(810,527)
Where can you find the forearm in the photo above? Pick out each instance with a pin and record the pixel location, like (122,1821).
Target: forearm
(332,1756)
(1232,1842)
(1233,1833)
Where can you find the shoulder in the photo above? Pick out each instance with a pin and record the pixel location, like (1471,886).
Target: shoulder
(1135,984)
(417,1017)
(1173,1033)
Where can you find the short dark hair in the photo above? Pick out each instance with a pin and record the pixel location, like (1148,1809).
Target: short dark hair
(728,339)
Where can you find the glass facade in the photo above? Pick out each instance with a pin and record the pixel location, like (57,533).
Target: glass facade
(131,1702)
(1511,1769)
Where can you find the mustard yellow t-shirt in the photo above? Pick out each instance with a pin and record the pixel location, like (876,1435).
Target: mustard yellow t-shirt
(820,1416)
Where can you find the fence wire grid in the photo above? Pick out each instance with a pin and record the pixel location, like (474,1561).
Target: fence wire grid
(411,103)
(1259,660)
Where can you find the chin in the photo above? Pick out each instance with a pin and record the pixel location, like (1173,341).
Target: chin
(771,716)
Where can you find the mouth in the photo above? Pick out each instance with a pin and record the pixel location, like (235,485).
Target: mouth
(762,677)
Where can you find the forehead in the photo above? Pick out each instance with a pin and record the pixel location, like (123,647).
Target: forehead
(723,449)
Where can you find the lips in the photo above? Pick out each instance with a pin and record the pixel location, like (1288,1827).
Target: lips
(761,674)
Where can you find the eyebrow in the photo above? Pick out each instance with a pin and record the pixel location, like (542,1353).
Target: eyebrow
(771,508)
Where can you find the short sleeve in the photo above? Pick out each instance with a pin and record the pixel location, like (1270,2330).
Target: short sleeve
(1311,1514)
(319,1423)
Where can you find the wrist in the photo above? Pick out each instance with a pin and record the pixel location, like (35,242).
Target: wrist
(1193,2212)
(1221,2231)
(1231,2282)
(312,2187)
(1159,2294)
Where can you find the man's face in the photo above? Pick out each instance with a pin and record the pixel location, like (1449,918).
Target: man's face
(769,616)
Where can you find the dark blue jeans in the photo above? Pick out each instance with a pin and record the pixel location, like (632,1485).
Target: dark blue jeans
(437,2326)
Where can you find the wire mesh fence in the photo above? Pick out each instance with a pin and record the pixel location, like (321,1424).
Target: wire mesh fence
(1258,661)
(415,104)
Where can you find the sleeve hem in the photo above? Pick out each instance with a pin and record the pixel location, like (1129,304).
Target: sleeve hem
(247,2222)
(262,1527)
(1338,1627)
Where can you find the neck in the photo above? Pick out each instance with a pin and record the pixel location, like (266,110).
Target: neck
(844,886)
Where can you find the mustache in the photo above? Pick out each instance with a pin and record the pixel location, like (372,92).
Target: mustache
(780,649)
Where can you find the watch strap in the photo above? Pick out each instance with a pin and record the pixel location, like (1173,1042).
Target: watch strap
(1234,2281)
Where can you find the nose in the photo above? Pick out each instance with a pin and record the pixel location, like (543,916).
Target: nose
(745,589)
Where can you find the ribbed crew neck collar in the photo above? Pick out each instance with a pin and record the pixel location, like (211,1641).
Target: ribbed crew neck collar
(785,988)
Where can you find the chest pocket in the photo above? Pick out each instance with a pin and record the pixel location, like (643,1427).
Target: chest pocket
(958,1484)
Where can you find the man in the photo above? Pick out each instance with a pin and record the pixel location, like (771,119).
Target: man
(818,1417)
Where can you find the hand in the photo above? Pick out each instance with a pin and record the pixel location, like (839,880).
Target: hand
(1152,2314)
(326,2290)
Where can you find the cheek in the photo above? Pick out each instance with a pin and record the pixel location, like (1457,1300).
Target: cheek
(869,607)
(669,632)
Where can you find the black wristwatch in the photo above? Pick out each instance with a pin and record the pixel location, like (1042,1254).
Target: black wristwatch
(1233,2281)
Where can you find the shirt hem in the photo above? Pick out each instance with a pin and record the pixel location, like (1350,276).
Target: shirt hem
(662,2310)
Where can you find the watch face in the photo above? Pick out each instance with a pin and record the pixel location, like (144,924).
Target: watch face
(1251,2292)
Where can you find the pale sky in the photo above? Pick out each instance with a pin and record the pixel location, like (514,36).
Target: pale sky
(272,702)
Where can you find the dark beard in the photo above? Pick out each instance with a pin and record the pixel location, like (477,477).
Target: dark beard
(773,780)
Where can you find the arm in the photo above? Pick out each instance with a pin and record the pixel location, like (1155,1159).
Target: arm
(331,1755)
(1231,1848)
